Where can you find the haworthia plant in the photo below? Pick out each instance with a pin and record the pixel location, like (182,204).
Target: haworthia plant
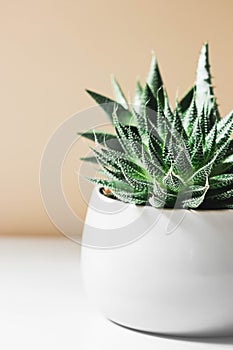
(180,158)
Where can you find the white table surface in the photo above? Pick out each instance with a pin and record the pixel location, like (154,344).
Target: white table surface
(43,304)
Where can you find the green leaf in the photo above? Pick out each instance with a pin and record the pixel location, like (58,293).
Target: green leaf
(157,201)
(173,181)
(108,105)
(229,159)
(106,159)
(203,122)
(196,194)
(197,154)
(122,191)
(204,89)
(136,199)
(210,142)
(148,99)
(185,102)
(118,93)
(221,181)
(135,141)
(224,122)
(221,168)
(162,123)
(134,174)
(103,138)
(221,152)
(182,162)
(155,148)
(167,109)
(197,191)
(223,195)
(89,159)
(201,174)
(193,203)
(151,164)
(159,196)
(154,79)
(111,174)
(137,97)
(177,126)
(142,122)
(129,138)
(225,128)
(230,148)
(190,116)
(197,145)
(121,136)
(100,136)
(113,185)
(217,204)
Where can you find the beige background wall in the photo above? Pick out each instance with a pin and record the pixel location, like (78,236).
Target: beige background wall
(51,50)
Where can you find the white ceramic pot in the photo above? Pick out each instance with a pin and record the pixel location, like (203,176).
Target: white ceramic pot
(163,271)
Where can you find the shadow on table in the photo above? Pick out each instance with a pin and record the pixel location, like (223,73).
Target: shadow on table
(227,340)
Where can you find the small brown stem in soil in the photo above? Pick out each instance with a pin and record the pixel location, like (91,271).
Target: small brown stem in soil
(106,192)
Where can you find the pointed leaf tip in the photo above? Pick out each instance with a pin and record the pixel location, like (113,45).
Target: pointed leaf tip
(154,79)
(204,88)
(205,46)
(108,105)
(118,93)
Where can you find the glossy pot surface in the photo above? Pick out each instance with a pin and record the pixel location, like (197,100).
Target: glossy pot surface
(162,271)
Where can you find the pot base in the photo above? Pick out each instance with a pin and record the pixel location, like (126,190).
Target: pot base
(203,335)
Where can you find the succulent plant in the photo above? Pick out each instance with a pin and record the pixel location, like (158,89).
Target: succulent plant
(180,158)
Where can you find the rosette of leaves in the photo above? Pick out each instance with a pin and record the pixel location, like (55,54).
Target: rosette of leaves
(164,157)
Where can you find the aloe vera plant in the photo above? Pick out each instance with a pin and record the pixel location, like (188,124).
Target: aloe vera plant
(180,158)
